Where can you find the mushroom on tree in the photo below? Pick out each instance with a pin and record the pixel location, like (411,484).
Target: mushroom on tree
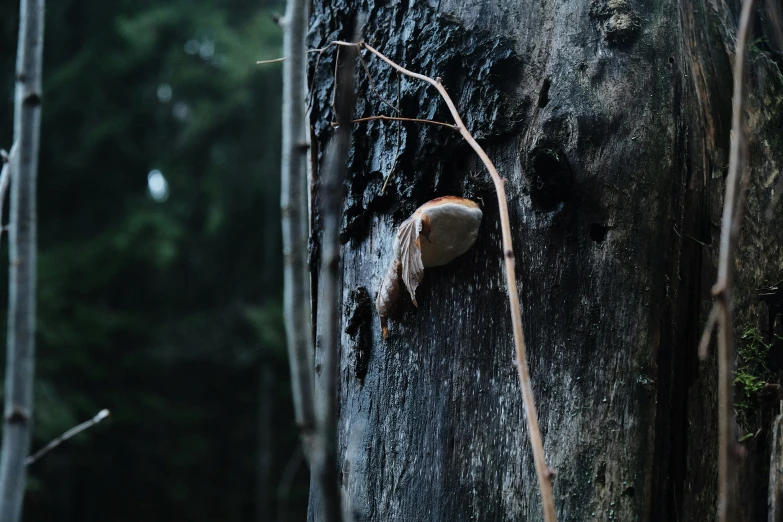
(449,226)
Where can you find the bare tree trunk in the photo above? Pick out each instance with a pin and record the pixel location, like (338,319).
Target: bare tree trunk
(610,121)
(20,360)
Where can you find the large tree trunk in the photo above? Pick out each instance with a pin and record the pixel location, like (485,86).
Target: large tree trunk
(611,122)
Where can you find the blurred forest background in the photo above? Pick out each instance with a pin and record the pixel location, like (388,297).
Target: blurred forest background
(159,269)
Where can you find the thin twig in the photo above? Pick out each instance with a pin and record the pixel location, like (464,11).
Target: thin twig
(20,344)
(336,86)
(283,58)
(732,216)
(542,470)
(65,436)
(697,241)
(320,52)
(395,118)
(296,295)
(373,87)
(274,60)
(706,336)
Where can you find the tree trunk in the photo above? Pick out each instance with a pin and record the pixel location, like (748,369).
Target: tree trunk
(611,123)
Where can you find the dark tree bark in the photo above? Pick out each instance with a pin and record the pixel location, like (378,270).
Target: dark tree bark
(611,122)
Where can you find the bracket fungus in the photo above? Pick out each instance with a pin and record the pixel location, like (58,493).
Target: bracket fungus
(449,226)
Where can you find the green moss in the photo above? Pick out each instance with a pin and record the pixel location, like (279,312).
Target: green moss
(752,374)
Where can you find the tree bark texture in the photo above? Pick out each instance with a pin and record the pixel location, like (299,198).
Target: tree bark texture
(610,120)
(20,361)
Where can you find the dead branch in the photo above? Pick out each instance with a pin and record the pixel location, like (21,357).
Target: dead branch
(374,88)
(296,296)
(542,470)
(732,217)
(274,60)
(65,436)
(336,85)
(395,118)
(706,336)
(387,177)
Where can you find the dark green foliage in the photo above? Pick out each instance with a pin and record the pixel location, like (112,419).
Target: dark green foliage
(161,311)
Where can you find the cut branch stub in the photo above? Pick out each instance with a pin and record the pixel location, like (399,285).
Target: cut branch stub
(449,226)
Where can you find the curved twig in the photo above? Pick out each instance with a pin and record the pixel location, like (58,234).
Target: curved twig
(543,472)
(395,118)
(732,216)
(65,436)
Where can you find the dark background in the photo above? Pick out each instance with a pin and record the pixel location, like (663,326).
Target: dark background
(165,310)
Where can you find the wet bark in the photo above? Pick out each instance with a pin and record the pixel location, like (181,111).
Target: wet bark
(611,122)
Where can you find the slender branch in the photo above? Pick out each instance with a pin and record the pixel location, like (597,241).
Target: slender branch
(706,336)
(396,118)
(543,472)
(274,60)
(732,216)
(65,436)
(20,346)
(374,88)
(399,138)
(320,52)
(296,296)
(336,83)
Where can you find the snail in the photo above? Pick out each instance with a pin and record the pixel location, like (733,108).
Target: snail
(448,226)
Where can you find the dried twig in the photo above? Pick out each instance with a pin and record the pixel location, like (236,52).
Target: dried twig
(732,216)
(542,470)
(336,84)
(706,336)
(395,118)
(67,435)
(320,52)
(399,138)
(374,88)
(296,296)
(20,346)
(274,60)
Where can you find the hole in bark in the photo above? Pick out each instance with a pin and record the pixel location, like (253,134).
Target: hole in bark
(600,477)
(598,232)
(671,59)
(550,177)
(629,492)
(543,95)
